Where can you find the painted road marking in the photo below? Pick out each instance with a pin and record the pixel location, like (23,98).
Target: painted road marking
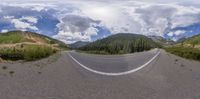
(115,74)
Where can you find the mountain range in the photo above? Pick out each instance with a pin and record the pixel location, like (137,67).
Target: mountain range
(16,45)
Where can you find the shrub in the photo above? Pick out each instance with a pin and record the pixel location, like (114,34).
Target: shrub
(34,52)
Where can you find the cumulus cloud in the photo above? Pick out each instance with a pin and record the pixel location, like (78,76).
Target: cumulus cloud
(143,18)
(74,23)
(76,27)
(69,37)
(176,33)
(20,24)
(78,19)
(29,19)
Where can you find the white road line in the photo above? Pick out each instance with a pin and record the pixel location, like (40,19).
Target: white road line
(115,74)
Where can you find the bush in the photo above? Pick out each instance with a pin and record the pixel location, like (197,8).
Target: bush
(33,52)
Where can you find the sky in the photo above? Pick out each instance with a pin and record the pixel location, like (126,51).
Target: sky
(89,20)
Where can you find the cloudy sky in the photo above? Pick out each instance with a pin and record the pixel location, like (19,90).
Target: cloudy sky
(88,20)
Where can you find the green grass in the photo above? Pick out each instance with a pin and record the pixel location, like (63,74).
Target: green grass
(34,52)
(26,52)
(185,52)
(10,38)
(195,40)
(18,45)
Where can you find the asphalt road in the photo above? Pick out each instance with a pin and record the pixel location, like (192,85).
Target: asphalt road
(114,63)
(60,77)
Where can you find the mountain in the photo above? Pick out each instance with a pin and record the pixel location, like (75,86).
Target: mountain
(181,40)
(121,43)
(78,44)
(19,45)
(162,40)
(14,37)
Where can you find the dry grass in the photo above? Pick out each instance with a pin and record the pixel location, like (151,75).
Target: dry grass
(26,52)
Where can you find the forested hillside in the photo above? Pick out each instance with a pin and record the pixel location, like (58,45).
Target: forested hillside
(121,44)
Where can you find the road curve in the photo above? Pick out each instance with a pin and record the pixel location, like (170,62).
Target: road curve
(60,77)
(110,60)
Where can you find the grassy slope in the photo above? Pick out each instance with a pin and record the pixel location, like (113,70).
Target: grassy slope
(185,52)
(189,48)
(193,41)
(9,38)
(17,45)
(14,37)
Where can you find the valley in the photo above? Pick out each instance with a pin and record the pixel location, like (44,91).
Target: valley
(35,66)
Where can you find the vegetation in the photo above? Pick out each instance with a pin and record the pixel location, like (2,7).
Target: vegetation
(120,44)
(187,48)
(186,52)
(193,41)
(18,45)
(14,37)
(11,38)
(26,52)
(33,52)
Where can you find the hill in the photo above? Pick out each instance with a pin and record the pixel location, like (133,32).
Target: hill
(193,41)
(78,44)
(161,40)
(18,45)
(14,37)
(121,43)
(187,48)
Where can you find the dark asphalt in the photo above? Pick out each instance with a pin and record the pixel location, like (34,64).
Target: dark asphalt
(59,77)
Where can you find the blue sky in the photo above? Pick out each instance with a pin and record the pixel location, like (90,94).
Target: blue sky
(88,20)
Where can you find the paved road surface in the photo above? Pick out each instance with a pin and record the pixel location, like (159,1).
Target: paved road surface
(114,63)
(60,77)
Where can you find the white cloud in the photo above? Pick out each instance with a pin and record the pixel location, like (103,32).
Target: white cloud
(142,18)
(91,31)
(149,17)
(177,33)
(8,17)
(74,27)
(69,37)
(4,31)
(170,34)
(23,25)
(29,19)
